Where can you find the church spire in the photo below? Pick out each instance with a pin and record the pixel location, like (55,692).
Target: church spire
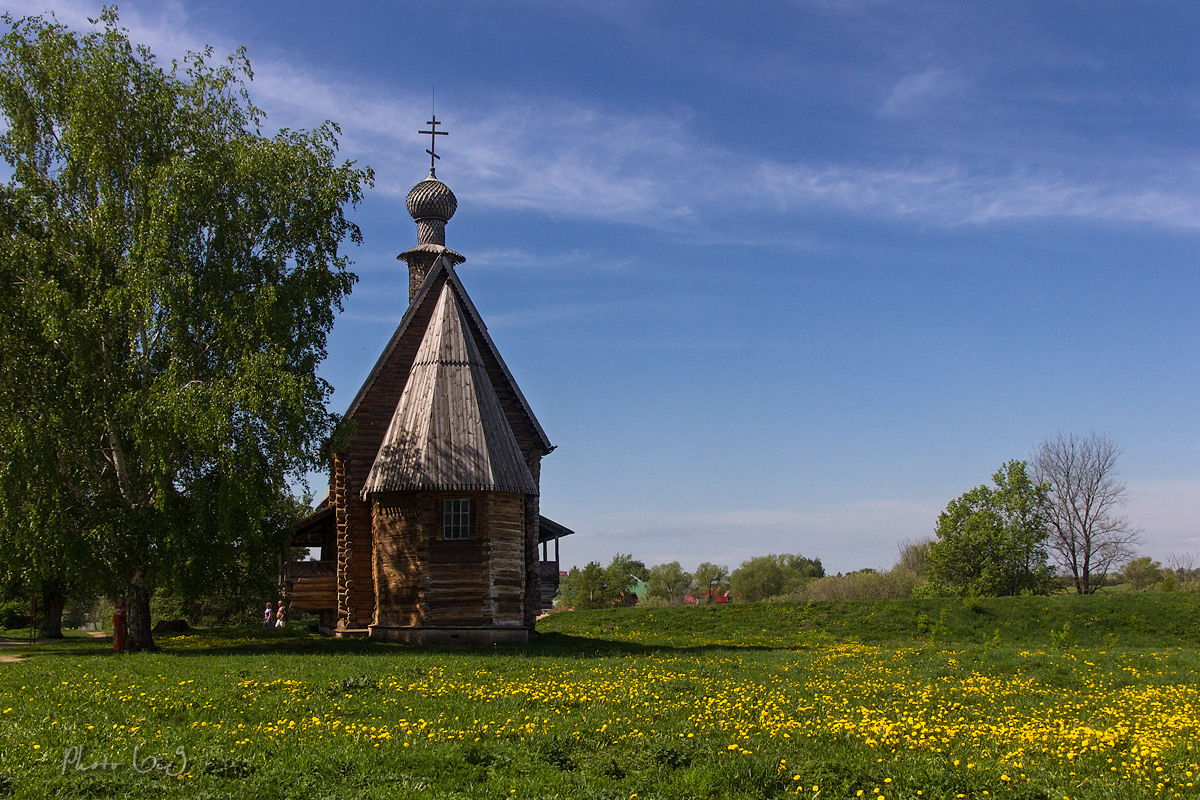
(431,205)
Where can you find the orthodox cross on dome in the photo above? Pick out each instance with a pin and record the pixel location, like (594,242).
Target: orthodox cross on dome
(433,133)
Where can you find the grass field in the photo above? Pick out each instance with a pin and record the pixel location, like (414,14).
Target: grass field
(1052,698)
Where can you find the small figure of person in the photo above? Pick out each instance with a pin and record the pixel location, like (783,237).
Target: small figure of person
(268,615)
(119,628)
(280,615)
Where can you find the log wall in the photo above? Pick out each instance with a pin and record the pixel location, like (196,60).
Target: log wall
(426,581)
(506,558)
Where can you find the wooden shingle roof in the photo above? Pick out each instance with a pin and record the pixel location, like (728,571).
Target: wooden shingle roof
(442,274)
(549,530)
(449,430)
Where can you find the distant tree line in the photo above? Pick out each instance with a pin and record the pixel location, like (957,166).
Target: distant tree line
(620,583)
(1062,509)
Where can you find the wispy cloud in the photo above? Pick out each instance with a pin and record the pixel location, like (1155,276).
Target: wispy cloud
(165,30)
(915,92)
(573,260)
(946,192)
(656,170)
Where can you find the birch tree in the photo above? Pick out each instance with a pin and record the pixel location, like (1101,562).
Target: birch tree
(171,274)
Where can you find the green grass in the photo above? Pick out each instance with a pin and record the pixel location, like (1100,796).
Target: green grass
(904,699)
(22,634)
(1135,619)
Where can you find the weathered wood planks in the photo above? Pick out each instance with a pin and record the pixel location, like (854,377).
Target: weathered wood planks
(423,580)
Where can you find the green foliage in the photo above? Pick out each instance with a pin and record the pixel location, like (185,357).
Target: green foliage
(973,603)
(1182,572)
(1064,637)
(1143,573)
(710,580)
(620,577)
(773,575)
(168,277)
(249,571)
(896,584)
(14,613)
(991,540)
(595,586)
(580,587)
(669,582)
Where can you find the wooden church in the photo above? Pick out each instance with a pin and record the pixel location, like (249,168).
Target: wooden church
(430,532)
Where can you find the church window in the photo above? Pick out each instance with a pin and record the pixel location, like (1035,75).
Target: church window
(456,519)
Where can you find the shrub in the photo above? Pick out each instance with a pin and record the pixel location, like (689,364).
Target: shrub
(773,575)
(14,613)
(1143,573)
(897,584)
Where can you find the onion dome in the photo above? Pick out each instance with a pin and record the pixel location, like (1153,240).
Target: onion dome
(431,204)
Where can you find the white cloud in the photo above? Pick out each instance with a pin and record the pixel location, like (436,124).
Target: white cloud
(656,170)
(948,193)
(165,30)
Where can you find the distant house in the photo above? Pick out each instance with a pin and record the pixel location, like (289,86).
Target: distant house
(710,596)
(431,530)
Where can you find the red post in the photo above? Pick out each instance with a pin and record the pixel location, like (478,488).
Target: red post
(119,628)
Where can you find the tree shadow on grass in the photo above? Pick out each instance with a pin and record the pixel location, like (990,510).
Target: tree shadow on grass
(255,642)
(564,645)
(546,645)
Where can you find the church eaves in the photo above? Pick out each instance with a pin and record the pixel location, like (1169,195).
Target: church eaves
(449,430)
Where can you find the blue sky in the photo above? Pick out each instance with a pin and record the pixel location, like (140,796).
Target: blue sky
(778,277)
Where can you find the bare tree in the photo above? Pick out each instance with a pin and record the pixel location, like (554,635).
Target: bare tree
(1089,531)
(914,555)
(1183,565)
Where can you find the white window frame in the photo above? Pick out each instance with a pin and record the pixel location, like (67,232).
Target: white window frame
(456,519)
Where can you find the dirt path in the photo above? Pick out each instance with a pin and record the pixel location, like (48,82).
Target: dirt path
(9,659)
